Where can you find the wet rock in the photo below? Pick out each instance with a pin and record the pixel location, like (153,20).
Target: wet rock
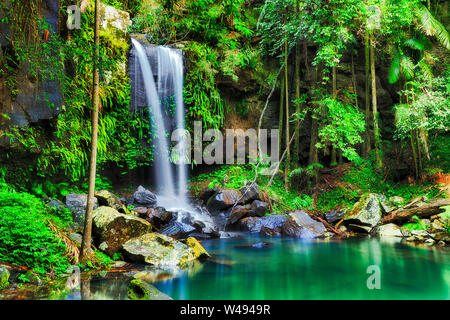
(112,228)
(141,290)
(250,224)
(144,197)
(389,230)
(141,211)
(106,198)
(158,250)
(207,193)
(429,241)
(239,212)
(200,219)
(222,200)
(366,213)
(442,236)
(4,278)
(200,252)
(77,204)
(359,228)
(300,225)
(437,226)
(177,230)
(259,208)
(271,224)
(334,216)
(250,193)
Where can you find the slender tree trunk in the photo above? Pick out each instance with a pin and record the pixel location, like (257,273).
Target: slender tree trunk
(281,117)
(85,253)
(286,88)
(413,148)
(297,97)
(313,152)
(297,92)
(367,95)
(334,85)
(376,129)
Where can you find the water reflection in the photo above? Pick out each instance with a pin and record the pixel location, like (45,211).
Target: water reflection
(292,269)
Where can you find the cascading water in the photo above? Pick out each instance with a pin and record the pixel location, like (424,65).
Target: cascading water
(160,95)
(164,177)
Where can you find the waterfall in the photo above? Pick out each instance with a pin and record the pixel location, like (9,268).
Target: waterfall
(159,95)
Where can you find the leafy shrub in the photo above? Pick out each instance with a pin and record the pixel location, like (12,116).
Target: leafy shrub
(25,235)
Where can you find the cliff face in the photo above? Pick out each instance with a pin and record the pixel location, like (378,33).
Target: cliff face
(26,99)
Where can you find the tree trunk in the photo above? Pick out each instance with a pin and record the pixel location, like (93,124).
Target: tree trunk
(286,88)
(334,85)
(427,210)
(297,97)
(85,253)
(281,117)
(367,95)
(376,129)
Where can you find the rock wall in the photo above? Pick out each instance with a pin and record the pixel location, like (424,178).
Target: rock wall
(31,100)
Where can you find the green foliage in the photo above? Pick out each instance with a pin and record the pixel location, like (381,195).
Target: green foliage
(416,225)
(342,125)
(25,236)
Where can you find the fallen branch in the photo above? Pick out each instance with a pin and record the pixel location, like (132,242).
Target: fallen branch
(427,210)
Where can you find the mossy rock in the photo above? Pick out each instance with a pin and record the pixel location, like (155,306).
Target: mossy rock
(4,278)
(158,250)
(113,228)
(141,290)
(200,252)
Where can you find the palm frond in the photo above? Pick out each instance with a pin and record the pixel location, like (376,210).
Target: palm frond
(432,27)
(395,68)
(407,67)
(414,43)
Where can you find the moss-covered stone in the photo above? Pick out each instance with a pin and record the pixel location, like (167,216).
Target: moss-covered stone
(159,250)
(197,247)
(366,212)
(113,228)
(141,290)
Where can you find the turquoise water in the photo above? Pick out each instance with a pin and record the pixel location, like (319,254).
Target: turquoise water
(296,269)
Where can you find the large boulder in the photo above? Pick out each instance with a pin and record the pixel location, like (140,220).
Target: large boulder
(112,228)
(389,230)
(144,197)
(365,214)
(177,230)
(250,193)
(259,208)
(239,212)
(77,204)
(158,250)
(300,225)
(267,225)
(334,216)
(223,199)
(106,198)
